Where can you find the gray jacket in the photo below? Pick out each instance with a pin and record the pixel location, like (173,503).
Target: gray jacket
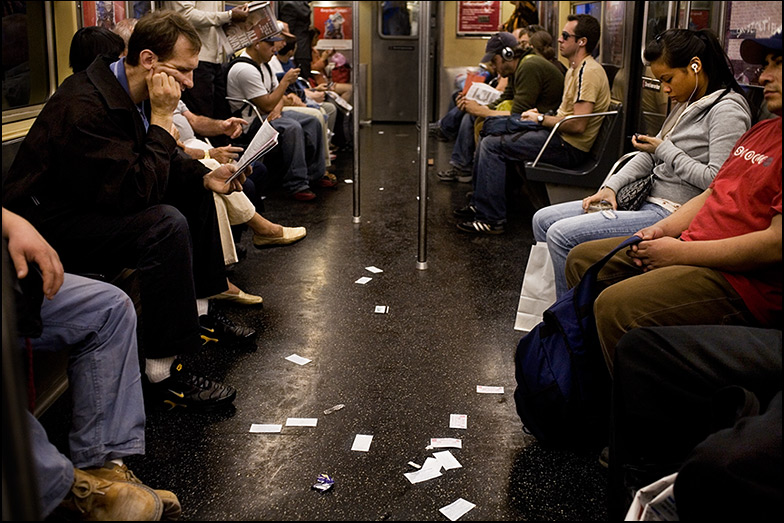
(687,161)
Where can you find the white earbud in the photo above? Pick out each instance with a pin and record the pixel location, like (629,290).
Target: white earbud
(694,68)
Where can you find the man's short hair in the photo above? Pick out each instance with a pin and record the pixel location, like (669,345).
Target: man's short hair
(159,31)
(587,27)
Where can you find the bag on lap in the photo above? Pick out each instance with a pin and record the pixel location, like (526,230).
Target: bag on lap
(498,125)
(563,386)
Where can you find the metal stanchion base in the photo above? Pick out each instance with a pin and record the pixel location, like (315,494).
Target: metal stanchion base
(356,219)
(422,266)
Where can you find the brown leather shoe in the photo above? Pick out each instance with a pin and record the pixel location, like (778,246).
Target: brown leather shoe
(114,472)
(95,499)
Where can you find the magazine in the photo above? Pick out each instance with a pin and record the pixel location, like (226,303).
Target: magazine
(340,102)
(483,93)
(266,138)
(260,24)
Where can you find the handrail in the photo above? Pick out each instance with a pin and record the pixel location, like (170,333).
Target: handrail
(246,101)
(558,124)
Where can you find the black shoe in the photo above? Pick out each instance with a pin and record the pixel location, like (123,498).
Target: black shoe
(183,389)
(217,328)
(467,213)
(455,175)
(434,131)
(477,227)
(604,457)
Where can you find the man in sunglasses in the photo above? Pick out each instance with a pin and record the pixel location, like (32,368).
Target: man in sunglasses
(586,91)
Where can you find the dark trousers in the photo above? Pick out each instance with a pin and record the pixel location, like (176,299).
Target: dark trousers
(664,383)
(200,99)
(176,252)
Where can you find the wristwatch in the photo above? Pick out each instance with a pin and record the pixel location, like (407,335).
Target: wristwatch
(540,118)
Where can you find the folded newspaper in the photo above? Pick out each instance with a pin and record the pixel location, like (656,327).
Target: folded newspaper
(260,24)
(482,93)
(266,138)
(339,101)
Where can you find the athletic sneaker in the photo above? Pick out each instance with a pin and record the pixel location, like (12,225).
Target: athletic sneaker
(217,328)
(304,196)
(477,227)
(455,175)
(183,389)
(467,213)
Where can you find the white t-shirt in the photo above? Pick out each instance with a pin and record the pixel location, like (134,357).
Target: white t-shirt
(244,81)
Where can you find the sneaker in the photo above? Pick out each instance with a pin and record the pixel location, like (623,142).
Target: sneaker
(114,472)
(434,131)
(183,389)
(215,327)
(95,499)
(455,175)
(468,212)
(328,180)
(477,227)
(304,196)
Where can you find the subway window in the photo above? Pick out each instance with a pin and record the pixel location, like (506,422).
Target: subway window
(28,64)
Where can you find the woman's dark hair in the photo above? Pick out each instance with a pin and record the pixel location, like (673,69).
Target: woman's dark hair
(533,28)
(159,31)
(542,42)
(677,48)
(89,42)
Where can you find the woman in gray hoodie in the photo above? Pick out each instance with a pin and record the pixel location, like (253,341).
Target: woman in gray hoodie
(709,114)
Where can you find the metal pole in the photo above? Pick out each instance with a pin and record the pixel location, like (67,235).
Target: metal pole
(355,100)
(424,92)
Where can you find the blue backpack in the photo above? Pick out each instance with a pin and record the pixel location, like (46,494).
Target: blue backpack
(563,385)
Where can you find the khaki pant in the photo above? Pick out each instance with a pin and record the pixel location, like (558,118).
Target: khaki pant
(675,295)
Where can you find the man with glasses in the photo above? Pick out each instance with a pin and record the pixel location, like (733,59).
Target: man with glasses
(586,91)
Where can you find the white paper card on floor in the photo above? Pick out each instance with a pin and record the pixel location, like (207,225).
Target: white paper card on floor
(299,360)
(363,280)
(362,442)
(457,509)
(373,269)
(381,309)
(458,421)
(440,443)
(265,427)
(301,422)
(484,389)
(431,469)
(538,291)
(447,460)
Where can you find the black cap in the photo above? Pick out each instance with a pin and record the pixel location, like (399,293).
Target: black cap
(754,50)
(496,44)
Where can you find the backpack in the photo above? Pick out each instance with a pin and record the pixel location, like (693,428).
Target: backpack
(563,386)
(222,107)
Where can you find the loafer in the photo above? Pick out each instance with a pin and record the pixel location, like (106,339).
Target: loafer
(243,298)
(304,196)
(290,235)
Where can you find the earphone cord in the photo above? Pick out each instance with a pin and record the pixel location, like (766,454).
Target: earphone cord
(696,84)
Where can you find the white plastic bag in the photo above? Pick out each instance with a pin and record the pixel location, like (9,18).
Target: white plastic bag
(538,291)
(655,502)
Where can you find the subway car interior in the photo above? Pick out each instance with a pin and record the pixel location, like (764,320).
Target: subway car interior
(377,379)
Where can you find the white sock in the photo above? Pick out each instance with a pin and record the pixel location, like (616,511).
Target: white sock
(158,369)
(118,461)
(202,306)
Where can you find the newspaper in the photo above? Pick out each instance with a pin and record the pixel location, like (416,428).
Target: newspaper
(340,102)
(482,93)
(266,138)
(260,24)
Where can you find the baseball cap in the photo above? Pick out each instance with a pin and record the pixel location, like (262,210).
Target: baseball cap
(496,43)
(754,50)
(274,38)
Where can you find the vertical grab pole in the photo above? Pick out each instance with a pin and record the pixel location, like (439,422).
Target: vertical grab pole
(424,92)
(355,102)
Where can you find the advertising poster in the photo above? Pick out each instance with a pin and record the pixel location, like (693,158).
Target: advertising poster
(333,22)
(478,18)
(104,14)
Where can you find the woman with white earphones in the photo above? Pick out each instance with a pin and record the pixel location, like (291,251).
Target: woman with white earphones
(708,115)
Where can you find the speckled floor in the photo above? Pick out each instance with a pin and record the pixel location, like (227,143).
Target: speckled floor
(400,375)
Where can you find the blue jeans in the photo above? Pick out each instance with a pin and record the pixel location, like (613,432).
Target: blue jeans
(565,225)
(96,323)
(300,154)
(489,197)
(463,151)
(450,123)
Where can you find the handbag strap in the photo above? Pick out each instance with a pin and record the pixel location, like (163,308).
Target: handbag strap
(596,267)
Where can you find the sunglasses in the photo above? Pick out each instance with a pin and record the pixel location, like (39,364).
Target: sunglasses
(565,36)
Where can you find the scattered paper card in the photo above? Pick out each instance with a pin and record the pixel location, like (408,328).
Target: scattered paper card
(458,421)
(299,360)
(439,443)
(373,269)
(348,180)
(265,427)
(456,510)
(483,389)
(362,442)
(301,422)
(414,465)
(431,469)
(447,460)
(381,309)
(363,280)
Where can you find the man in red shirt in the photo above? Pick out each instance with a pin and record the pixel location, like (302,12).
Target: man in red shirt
(717,259)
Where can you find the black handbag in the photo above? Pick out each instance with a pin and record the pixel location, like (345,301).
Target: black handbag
(631,196)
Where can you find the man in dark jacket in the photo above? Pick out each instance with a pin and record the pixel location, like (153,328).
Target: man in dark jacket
(101,178)
(297,15)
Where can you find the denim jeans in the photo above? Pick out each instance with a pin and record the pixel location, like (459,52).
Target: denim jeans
(565,225)
(493,152)
(96,323)
(463,151)
(300,150)
(450,123)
